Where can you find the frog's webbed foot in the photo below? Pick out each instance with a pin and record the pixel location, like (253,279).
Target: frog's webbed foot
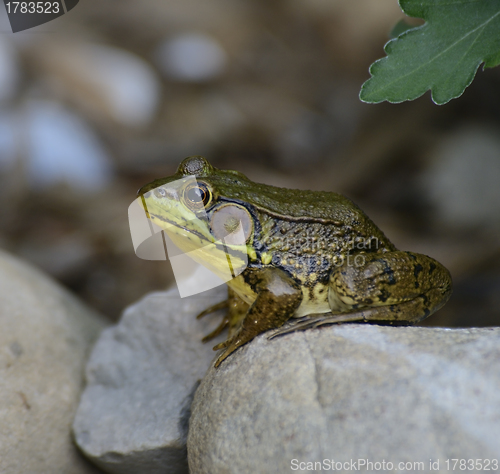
(316,320)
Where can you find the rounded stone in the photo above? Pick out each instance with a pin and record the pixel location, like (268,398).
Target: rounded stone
(45,338)
(349,392)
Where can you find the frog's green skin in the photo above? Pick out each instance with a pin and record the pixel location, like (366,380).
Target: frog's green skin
(311,255)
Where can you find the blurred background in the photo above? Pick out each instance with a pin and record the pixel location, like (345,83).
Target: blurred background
(116,93)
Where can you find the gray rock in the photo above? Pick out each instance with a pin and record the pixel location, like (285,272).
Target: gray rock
(350,392)
(141,378)
(45,338)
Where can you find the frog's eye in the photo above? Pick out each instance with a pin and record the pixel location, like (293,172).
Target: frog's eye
(197,195)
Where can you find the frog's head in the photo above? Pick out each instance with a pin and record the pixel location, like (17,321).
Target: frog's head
(223,182)
(193,207)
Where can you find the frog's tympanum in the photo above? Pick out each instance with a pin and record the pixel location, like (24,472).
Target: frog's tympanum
(311,258)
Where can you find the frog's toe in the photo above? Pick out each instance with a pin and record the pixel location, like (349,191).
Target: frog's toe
(223,345)
(222,357)
(301,324)
(316,320)
(230,346)
(229,350)
(213,309)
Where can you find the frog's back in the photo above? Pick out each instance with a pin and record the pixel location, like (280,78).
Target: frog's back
(289,204)
(293,204)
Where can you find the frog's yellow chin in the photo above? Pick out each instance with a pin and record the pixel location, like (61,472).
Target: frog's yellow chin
(187,240)
(211,255)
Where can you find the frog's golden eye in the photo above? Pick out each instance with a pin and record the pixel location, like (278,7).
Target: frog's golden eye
(197,195)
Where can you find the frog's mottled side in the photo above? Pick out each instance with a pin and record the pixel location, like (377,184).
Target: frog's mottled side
(311,255)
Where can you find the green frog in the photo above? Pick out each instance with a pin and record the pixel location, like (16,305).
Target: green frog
(311,258)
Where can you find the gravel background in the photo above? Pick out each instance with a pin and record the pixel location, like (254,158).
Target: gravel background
(117,93)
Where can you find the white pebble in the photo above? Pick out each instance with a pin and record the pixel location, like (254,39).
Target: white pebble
(126,82)
(62,147)
(192,57)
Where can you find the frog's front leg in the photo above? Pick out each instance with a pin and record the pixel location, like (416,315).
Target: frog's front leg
(278,296)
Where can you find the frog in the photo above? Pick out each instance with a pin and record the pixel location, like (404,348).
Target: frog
(313,258)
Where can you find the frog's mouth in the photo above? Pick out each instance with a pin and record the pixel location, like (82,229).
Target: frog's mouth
(163,227)
(177,228)
(189,240)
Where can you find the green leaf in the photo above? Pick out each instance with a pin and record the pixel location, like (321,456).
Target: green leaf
(399,28)
(443,55)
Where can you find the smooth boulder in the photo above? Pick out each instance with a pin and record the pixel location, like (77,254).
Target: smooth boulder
(45,338)
(351,392)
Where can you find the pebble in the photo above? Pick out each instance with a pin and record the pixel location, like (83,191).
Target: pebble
(191,57)
(63,147)
(107,83)
(126,83)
